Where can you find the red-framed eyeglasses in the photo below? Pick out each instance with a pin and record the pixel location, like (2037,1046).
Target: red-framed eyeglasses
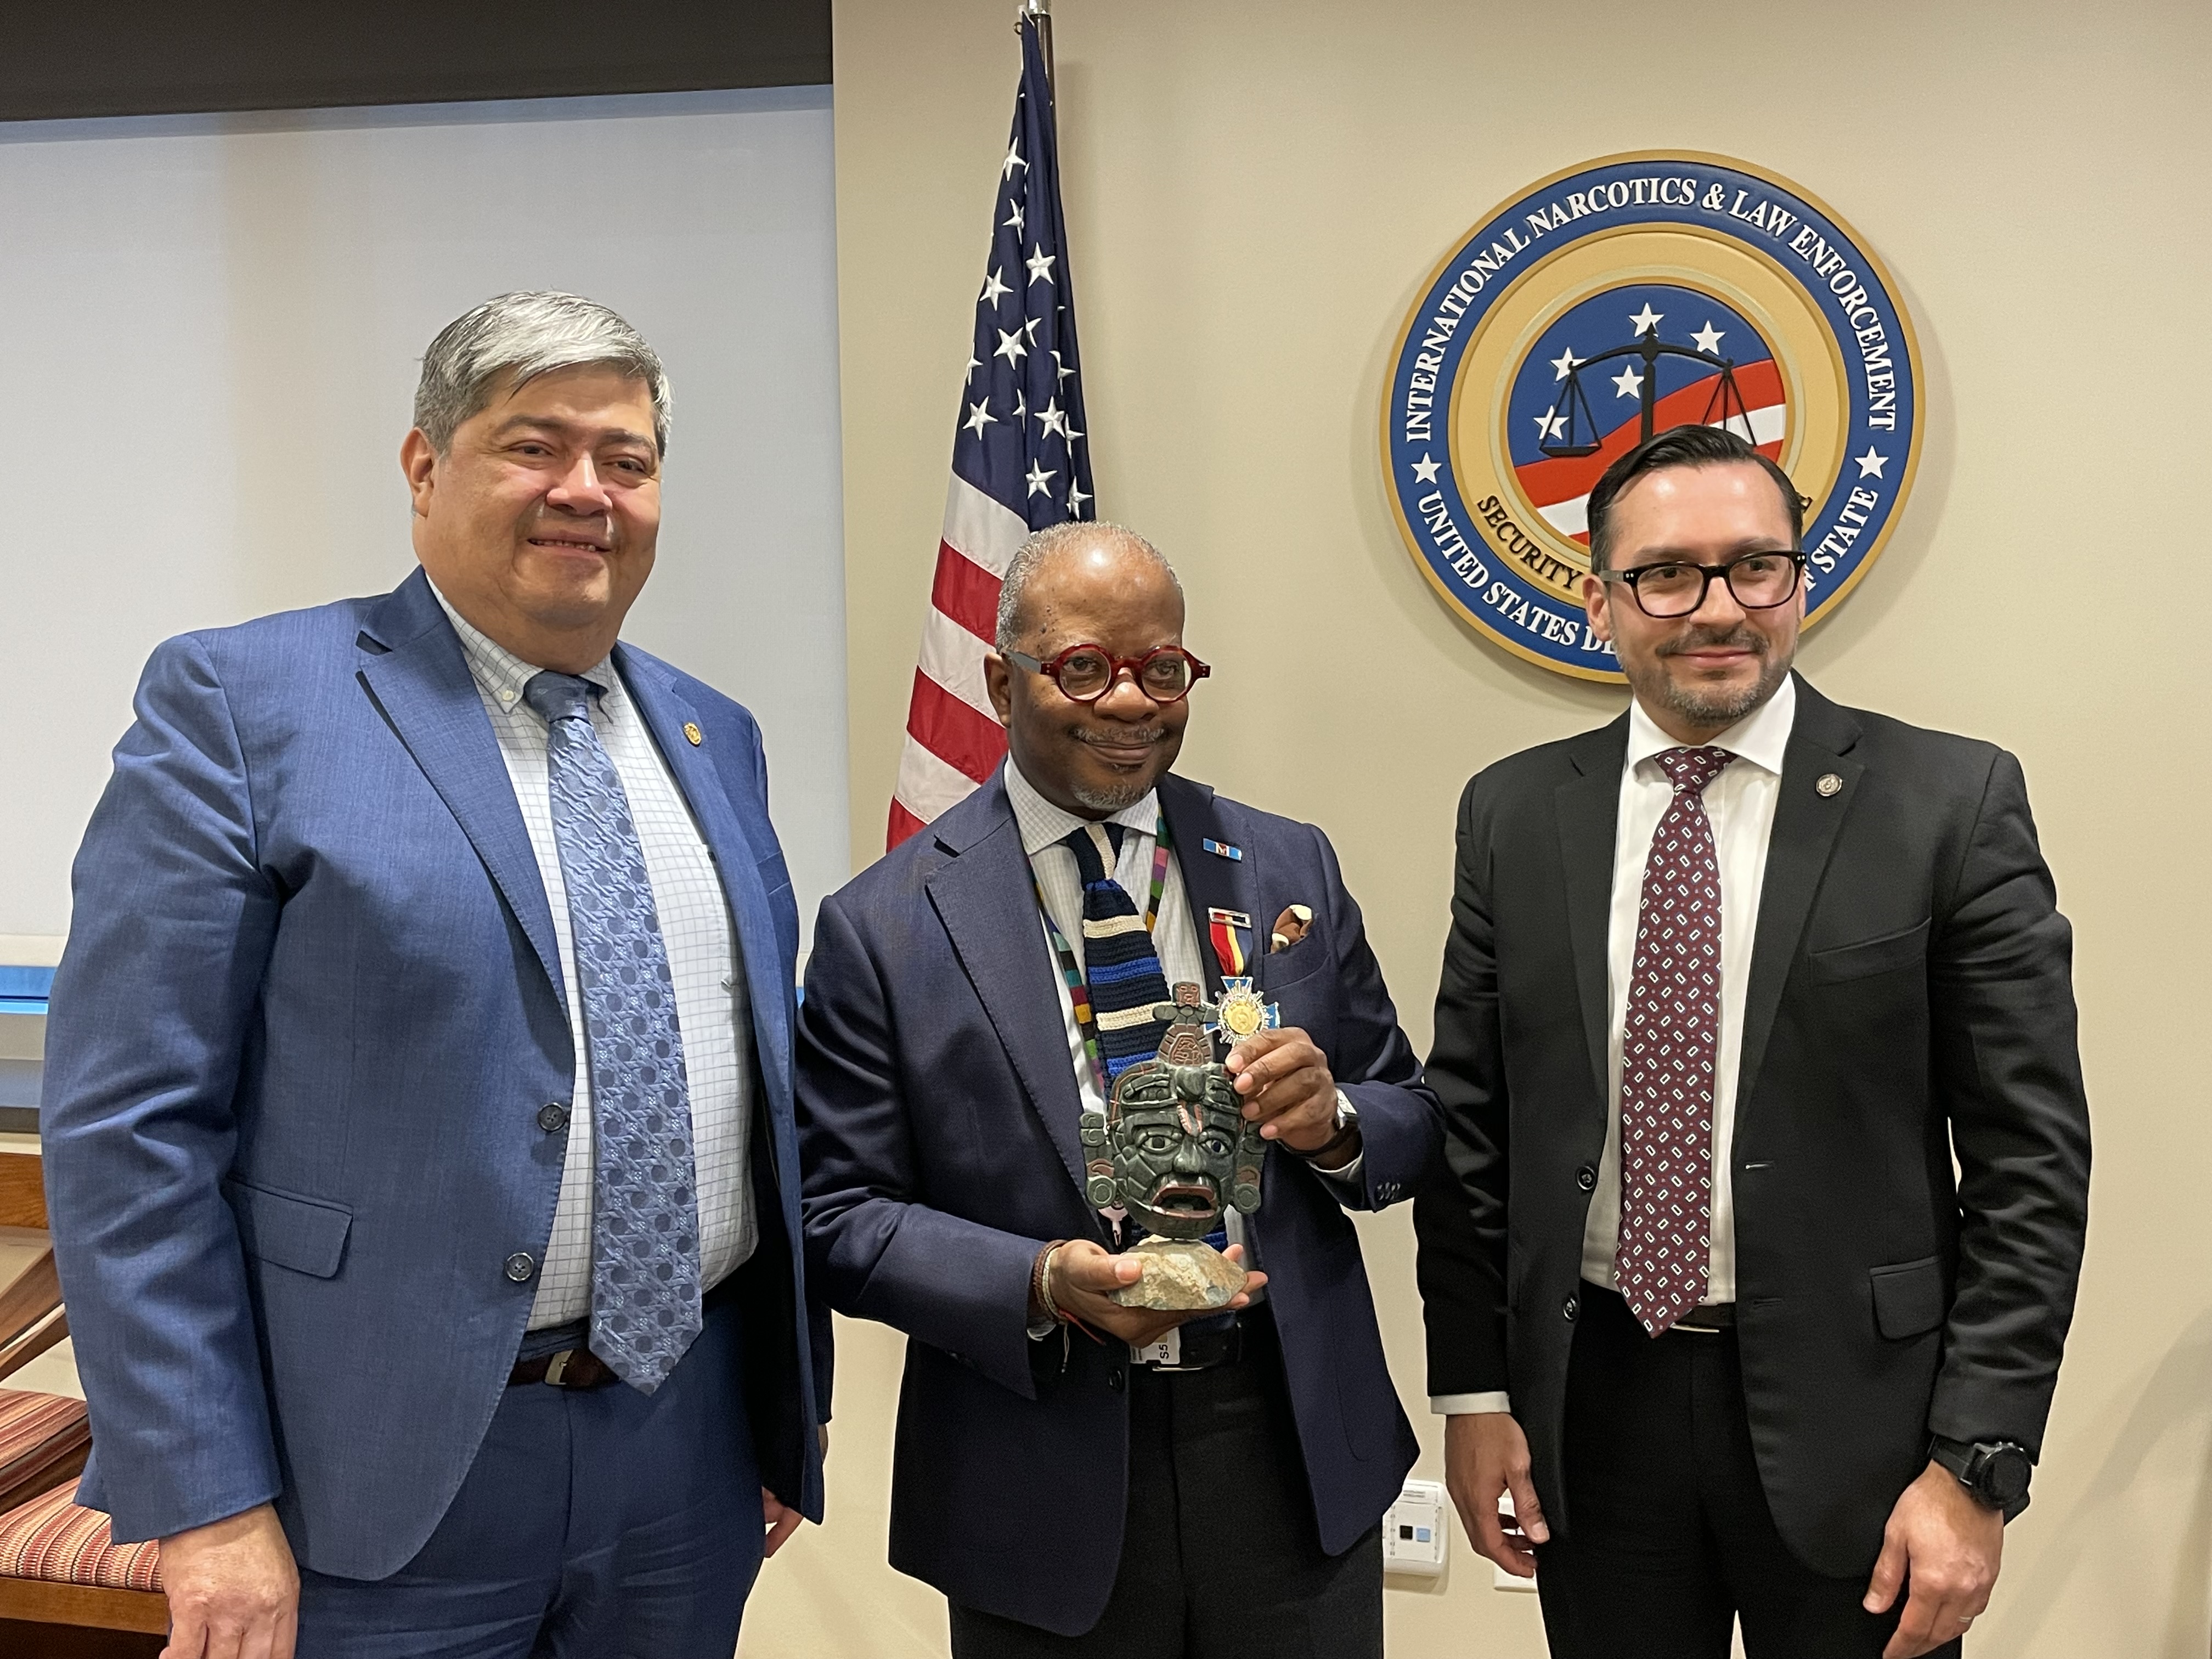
(1086,672)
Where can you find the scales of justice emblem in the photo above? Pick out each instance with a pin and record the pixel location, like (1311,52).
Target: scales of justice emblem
(1173,1148)
(1612,302)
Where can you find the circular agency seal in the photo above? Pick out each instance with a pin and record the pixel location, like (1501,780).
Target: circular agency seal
(1612,302)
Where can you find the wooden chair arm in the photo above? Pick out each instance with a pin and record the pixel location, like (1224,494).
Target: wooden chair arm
(32,1318)
(22,1190)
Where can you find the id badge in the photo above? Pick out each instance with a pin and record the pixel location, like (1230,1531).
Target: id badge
(1168,1351)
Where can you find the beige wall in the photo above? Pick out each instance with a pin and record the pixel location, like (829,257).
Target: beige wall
(1254,193)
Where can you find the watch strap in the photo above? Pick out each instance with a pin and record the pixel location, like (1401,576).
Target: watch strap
(1956,1456)
(1964,1460)
(1347,1128)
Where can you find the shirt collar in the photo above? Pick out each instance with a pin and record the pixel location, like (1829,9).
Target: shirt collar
(1042,823)
(502,673)
(1760,737)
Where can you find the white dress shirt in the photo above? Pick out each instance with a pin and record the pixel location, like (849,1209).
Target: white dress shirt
(713,1011)
(1740,805)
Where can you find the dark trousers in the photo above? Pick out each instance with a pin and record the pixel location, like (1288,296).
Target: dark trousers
(593,1525)
(1220,1556)
(1670,1541)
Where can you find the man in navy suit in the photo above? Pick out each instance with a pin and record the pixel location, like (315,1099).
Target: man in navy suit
(418,1124)
(1080,1477)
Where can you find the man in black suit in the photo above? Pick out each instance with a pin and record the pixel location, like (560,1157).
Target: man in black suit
(1729,982)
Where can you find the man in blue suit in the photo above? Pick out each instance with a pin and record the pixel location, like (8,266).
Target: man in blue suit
(1078,1477)
(419,1125)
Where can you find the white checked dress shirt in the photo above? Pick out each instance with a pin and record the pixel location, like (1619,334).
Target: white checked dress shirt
(712,1007)
(1740,805)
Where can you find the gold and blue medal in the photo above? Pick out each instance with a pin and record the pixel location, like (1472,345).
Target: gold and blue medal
(1241,1011)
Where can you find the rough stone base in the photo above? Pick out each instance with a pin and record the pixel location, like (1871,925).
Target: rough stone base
(1181,1274)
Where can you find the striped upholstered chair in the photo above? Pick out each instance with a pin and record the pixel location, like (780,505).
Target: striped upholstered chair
(43,1440)
(58,1566)
(64,1584)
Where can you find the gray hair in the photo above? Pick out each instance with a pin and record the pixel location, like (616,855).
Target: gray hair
(524,336)
(1038,550)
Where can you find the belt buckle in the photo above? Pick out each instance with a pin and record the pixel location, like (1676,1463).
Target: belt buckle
(1222,1348)
(1219,1348)
(556,1367)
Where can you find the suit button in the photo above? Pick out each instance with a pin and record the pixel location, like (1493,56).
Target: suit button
(1114,1379)
(1586,1178)
(520,1266)
(1568,1308)
(551,1116)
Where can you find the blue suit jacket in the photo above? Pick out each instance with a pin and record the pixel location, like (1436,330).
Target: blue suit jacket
(310,1009)
(938,1113)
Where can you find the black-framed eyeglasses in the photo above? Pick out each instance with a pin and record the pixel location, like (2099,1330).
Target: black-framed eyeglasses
(1671,588)
(1086,672)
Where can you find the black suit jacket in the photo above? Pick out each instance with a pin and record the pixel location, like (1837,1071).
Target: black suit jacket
(937,1117)
(1910,999)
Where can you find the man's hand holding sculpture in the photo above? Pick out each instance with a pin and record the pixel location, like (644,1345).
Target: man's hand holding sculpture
(1082,1278)
(1174,1150)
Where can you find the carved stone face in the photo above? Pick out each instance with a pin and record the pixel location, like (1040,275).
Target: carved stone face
(1173,1148)
(1178,1145)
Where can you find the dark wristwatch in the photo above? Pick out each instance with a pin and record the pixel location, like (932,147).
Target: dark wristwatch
(1995,1473)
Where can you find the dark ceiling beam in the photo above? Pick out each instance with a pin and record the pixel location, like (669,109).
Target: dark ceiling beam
(99,58)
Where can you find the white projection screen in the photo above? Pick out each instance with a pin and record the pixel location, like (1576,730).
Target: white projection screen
(209,333)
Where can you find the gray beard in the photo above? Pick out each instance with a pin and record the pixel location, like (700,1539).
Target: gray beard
(1110,801)
(1721,708)
(1722,711)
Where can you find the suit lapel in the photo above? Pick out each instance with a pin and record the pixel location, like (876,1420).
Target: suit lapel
(985,897)
(1195,816)
(1806,825)
(668,717)
(412,664)
(1589,810)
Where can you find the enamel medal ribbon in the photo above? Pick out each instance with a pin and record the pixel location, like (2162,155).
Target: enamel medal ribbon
(1231,932)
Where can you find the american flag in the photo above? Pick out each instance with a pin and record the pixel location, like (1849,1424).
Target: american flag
(1019,461)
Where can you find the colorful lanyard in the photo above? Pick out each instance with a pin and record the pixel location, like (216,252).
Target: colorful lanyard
(1078,992)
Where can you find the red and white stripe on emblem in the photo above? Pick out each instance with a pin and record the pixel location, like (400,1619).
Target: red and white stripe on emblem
(953,740)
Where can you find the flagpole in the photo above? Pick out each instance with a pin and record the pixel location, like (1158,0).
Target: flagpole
(1018,437)
(1042,11)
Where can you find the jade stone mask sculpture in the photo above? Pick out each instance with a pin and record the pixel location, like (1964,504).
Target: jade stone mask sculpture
(1173,1146)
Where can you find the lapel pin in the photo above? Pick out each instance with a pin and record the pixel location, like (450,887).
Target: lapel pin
(692,735)
(1222,849)
(1829,784)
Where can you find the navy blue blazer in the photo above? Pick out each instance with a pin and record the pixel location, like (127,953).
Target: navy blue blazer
(309,1011)
(937,1117)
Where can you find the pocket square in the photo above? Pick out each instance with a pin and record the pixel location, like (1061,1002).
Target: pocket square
(1290,928)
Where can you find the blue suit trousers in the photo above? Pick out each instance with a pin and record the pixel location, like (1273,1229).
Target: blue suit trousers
(592,1525)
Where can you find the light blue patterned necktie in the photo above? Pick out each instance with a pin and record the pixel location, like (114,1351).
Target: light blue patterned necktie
(645,1209)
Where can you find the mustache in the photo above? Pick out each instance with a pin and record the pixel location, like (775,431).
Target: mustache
(599,529)
(1742,637)
(1120,737)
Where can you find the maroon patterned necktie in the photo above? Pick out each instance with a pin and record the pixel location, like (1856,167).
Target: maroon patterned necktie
(1669,1051)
